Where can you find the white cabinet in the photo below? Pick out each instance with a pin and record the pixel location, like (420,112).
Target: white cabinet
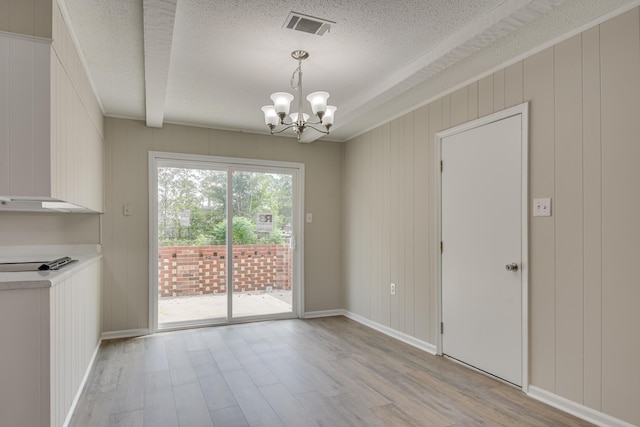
(50,148)
(49,336)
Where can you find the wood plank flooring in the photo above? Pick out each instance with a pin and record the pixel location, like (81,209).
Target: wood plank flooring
(319,372)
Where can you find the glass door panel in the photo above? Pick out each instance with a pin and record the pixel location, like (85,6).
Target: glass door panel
(262,244)
(192,246)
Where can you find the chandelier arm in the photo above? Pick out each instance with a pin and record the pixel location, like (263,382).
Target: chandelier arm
(326,132)
(283,129)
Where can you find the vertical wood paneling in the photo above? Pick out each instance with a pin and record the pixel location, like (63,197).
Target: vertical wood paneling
(473,100)
(446,112)
(592,208)
(421,220)
(513,85)
(401,283)
(385,136)
(460,106)
(377,217)
(74,327)
(568,222)
(435,125)
(620,68)
(485,96)
(394,219)
(498,90)
(5,111)
(22,117)
(409,226)
(538,90)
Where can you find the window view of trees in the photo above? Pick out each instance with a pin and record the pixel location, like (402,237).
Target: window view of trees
(192,206)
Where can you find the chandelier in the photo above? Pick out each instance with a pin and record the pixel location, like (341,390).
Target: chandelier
(275,115)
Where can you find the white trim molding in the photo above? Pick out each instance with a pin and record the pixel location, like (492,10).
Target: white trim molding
(127,333)
(322,313)
(72,408)
(596,417)
(401,336)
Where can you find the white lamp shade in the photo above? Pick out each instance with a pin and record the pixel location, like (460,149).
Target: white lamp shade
(270,115)
(282,102)
(318,101)
(294,117)
(329,115)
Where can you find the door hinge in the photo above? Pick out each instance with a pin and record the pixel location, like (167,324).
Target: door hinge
(441,165)
(441,328)
(441,247)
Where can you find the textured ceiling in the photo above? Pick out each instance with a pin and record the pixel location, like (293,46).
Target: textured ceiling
(214,63)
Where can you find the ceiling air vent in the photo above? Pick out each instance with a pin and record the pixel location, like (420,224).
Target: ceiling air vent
(308,24)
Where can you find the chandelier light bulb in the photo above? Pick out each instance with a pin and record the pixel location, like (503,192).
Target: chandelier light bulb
(318,101)
(282,102)
(270,116)
(327,120)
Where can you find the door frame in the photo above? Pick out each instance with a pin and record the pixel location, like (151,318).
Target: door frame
(228,163)
(523,110)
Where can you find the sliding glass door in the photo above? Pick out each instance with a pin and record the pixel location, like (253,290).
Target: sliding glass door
(224,237)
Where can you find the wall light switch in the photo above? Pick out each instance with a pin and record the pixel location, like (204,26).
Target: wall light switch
(309,217)
(542,207)
(126,209)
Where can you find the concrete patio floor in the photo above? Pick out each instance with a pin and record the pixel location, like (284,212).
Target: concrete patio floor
(201,307)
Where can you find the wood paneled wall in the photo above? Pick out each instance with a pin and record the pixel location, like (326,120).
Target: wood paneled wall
(126,238)
(584,96)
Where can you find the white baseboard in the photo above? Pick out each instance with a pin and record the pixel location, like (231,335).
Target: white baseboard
(401,336)
(127,333)
(323,313)
(72,408)
(573,408)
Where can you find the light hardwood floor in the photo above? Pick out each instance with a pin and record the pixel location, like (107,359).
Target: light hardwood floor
(320,372)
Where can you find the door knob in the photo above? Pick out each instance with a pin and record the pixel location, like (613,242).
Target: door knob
(512,267)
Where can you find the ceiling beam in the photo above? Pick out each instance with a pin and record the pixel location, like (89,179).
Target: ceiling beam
(158,17)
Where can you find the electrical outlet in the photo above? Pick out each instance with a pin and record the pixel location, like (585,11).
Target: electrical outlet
(393,289)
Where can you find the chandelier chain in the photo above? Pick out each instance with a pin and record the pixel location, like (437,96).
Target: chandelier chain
(293,76)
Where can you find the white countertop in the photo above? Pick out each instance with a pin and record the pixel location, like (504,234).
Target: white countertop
(85,254)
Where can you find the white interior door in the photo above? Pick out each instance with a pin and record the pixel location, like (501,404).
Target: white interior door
(482,211)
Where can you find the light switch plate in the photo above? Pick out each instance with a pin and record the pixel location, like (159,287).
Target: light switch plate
(542,207)
(309,217)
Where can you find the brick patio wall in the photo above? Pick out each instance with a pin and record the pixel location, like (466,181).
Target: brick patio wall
(201,270)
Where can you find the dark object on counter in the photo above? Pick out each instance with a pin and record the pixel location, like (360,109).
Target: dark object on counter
(56,264)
